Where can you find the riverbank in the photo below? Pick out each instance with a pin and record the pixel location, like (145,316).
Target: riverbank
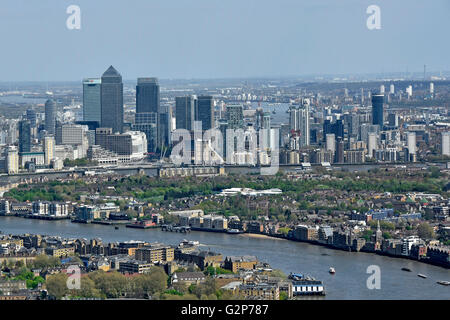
(282,237)
(260,236)
(348,283)
(332,247)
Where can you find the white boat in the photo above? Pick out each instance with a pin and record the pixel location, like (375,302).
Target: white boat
(444,283)
(422,276)
(234,231)
(332,270)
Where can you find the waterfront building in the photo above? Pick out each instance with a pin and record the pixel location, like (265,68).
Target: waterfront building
(407,243)
(305,233)
(155,253)
(439,255)
(92,106)
(236,263)
(307,287)
(325,234)
(112,100)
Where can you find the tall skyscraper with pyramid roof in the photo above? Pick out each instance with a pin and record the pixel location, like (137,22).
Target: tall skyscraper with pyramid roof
(112,100)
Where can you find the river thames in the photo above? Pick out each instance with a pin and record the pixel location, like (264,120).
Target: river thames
(349,282)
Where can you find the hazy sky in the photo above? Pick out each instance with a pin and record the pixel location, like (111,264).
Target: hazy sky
(220,38)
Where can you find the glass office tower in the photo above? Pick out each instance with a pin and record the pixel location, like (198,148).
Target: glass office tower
(112,100)
(92,105)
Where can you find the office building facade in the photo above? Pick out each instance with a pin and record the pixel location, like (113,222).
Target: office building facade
(112,100)
(92,103)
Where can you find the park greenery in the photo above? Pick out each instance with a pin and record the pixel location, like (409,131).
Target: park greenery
(149,188)
(114,285)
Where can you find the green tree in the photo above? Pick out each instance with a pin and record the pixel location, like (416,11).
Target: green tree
(57,285)
(425,231)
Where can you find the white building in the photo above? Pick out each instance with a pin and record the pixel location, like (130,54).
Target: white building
(49,149)
(372,143)
(411,142)
(407,243)
(409,91)
(392,89)
(445,144)
(12,160)
(331,142)
(299,121)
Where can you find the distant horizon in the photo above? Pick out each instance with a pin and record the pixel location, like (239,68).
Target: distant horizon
(402,76)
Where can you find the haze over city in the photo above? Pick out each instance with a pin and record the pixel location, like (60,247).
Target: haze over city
(225,150)
(220,39)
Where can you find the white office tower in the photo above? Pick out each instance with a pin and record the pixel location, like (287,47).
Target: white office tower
(382,89)
(331,142)
(49,149)
(411,140)
(138,145)
(371,143)
(409,91)
(346,92)
(431,87)
(445,143)
(12,160)
(392,89)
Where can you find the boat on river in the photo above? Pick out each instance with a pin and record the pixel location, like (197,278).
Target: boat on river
(406,269)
